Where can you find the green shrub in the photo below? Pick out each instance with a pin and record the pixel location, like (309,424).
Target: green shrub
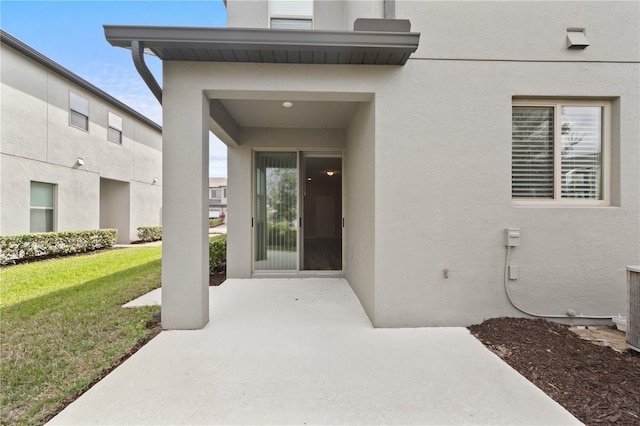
(281,234)
(30,246)
(217,251)
(215,222)
(149,233)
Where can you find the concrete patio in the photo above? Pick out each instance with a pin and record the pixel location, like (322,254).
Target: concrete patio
(302,351)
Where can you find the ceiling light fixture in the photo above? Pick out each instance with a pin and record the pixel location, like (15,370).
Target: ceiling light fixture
(287,104)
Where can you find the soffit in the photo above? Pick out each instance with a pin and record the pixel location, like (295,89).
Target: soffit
(268,45)
(302,114)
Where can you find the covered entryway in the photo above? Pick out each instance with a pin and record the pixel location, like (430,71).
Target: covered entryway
(115,208)
(263,90)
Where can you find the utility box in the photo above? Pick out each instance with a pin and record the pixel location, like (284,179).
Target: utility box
(633,327)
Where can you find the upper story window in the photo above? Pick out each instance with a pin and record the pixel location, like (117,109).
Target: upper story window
(560,152)
(291,14)
(114,130)
(42,207)
(78,111)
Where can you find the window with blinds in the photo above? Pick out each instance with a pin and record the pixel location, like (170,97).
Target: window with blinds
(42,196)
(114,130)
(558,151)
(291,14)
(78,111)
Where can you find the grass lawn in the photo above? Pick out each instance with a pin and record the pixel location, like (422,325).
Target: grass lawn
(62,326)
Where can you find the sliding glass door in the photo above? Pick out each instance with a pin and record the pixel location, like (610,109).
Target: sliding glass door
(298,222)
(276,211)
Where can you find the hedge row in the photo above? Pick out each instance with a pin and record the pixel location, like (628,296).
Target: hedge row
(217,252)
(30,246)
(216,222)
(150,233)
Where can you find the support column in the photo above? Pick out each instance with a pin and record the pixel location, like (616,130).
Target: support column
(185,169)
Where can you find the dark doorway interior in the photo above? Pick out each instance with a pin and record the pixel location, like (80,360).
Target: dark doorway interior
(322,212)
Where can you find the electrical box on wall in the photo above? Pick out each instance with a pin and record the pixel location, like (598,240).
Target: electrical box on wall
(512,237)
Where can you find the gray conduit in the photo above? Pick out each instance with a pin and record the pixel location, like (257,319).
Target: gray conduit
(533,314)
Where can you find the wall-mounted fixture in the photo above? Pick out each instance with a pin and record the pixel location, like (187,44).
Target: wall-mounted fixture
(155,180)
(576,38)
(287,104)
(330,172)
(80,162)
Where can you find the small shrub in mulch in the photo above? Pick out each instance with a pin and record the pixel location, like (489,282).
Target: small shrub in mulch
(594,383)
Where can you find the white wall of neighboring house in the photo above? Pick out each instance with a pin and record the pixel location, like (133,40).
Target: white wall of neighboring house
(115,185)
(217,197)
(428,151)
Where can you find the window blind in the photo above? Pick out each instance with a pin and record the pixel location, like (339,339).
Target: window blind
(581,152)
(291,7)
(532,162)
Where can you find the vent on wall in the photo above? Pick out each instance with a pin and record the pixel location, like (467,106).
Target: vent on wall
(633,329)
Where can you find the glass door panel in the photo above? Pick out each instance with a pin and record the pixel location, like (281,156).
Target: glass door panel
(276,211)
(322,212)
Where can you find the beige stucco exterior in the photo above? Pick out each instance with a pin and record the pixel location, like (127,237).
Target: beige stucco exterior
(427,155)
(38,144)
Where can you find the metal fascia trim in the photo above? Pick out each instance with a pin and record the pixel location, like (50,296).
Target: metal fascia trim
(157,38)
(137,53)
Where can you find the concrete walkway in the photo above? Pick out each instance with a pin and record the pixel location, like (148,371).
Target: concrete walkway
(303,352)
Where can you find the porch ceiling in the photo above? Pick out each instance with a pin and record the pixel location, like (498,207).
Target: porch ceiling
(301,114)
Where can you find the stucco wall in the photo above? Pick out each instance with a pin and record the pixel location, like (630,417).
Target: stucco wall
(441,179)
(360,244)
(38,144)
(77,201)
(327,14)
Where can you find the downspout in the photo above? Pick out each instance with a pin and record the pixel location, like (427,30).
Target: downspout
(137,53)
(389,9)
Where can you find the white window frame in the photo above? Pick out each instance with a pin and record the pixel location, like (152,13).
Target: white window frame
(557,104)
(114,123)
(82,110)
(301,18)
(53,209)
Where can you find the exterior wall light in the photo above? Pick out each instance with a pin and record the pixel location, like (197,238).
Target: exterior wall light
(330,172)
(155,180)
(80,162)
(287,104)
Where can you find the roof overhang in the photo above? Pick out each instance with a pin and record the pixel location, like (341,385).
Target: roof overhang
(268,45)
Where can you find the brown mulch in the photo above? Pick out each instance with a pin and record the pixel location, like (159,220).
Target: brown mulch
(217,279)
(594,383)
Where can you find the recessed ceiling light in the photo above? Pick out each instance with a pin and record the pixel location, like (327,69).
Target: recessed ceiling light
(287,104)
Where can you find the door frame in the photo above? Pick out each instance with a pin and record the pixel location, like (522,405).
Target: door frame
(257,273)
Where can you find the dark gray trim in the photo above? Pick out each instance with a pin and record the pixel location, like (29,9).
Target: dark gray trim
(268,45)
(137,53)
(33,54)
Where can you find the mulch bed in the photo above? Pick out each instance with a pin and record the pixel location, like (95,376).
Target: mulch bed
(596,384)
(217,279)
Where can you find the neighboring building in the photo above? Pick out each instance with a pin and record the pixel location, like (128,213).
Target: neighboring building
(72,157)
(399,157)
(217,197)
